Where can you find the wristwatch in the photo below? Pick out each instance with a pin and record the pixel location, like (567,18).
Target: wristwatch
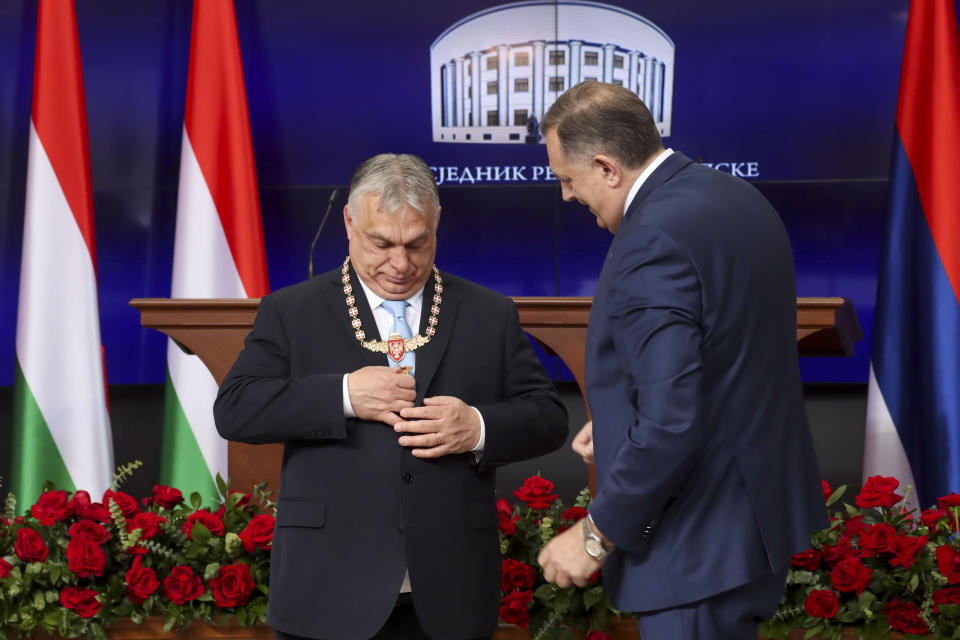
(592,542)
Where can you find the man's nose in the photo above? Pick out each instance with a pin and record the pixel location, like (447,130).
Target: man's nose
(398,258)
(566,193)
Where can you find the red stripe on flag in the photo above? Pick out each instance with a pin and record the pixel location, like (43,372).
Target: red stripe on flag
(928,118)
(60,110)
(218,126)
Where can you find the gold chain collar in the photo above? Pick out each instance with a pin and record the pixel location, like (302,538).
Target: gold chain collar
(396,346)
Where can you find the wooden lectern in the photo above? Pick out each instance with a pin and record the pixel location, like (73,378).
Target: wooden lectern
(214,330)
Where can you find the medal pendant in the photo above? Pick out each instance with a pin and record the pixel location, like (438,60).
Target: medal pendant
(396,347)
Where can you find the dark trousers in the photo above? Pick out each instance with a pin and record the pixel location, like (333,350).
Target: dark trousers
(403,624)
(731,615)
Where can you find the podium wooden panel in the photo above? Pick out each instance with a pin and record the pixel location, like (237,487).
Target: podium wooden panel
(214,330)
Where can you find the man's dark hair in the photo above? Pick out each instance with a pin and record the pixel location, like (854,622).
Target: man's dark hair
(596,117)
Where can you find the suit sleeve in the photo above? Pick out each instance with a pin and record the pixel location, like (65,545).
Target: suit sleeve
(260,401)
(655,310)
(531,420)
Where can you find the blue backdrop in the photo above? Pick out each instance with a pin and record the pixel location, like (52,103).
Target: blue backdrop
(805,89)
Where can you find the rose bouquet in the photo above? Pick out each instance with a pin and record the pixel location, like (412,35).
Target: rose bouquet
(878,567)
(527,600)
(71,566)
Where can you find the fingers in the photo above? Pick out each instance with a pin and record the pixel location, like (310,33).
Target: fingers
(433,439)
(583,443)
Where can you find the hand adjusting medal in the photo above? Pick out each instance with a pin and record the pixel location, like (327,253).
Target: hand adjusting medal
(396,345)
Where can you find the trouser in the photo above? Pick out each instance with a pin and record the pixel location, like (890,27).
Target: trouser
(731,615)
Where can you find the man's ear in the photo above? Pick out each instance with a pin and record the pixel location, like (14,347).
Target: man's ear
(610,169)
(347,220)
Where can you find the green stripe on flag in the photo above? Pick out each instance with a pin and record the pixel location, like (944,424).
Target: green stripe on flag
(181,461)
(34,456)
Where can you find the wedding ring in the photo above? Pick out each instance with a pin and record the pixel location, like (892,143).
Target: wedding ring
(437,433)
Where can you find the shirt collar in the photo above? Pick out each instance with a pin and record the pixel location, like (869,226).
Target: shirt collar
(375,301)
(643,177)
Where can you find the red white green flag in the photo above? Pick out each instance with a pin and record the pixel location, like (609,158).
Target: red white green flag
(219,237)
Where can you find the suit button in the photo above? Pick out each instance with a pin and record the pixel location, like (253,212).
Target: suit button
(407,478)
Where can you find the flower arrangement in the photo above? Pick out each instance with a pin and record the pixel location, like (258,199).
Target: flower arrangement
(71,566)
(878,567)
(527,600)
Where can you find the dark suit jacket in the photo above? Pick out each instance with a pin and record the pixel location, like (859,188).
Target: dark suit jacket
(706,474)
(355,508)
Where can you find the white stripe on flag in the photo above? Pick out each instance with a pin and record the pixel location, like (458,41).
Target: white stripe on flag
(203,267)
(883,452)
(58,328)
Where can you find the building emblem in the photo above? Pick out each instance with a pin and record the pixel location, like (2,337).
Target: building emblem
(496,72)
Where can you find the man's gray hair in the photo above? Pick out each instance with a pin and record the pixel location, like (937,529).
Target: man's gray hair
(596,117)
(402,180)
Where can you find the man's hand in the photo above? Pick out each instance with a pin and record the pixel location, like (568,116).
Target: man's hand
(583,443)
(380,393)
(443,425)
(565,561)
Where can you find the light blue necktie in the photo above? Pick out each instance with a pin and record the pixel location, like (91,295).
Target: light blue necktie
(398,309)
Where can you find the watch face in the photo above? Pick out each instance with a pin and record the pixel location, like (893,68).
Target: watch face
(594,548)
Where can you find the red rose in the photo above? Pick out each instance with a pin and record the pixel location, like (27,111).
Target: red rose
(95,512)
(595,576)
(827,492)
(183,585)
(850,575)
(126,502)
(141,582)
(85,558)
(945,502)
(949,595)
(536,492)
(570,516)
(877,539)
(878,492)
(948,562)
(167,497)
(513,608)
(207,519)
(905,616)
(90,530)
(51,507)
(29,546)
(515,575)
(931,517)
(148,522)
(822,603)
(598,635)
(854,526)
(508,522)
(833,553)
(232,586)
(4,568)
(79,500)
(258,533)
(81,601)
(809,559)
(905,549)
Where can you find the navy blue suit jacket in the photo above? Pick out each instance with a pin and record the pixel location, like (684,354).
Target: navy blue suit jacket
(706,474)
(355,508)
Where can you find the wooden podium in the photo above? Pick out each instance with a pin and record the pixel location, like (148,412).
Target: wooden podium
(214,330)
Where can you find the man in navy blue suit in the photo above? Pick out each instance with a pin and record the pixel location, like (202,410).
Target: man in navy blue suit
(706,475)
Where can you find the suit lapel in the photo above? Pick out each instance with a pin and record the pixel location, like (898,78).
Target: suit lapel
(338,301)
(430,354)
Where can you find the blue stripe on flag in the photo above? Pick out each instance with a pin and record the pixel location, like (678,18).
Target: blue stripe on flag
(916,340)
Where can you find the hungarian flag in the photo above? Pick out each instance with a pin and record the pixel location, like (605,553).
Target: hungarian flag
(219,237)
(913,406)
(61,429)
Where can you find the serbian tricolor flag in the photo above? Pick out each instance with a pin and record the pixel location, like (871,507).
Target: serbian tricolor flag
(61,429)
(218,252)
(913,406)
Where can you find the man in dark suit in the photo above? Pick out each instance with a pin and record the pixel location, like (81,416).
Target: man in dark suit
(706,475)
(386,524)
